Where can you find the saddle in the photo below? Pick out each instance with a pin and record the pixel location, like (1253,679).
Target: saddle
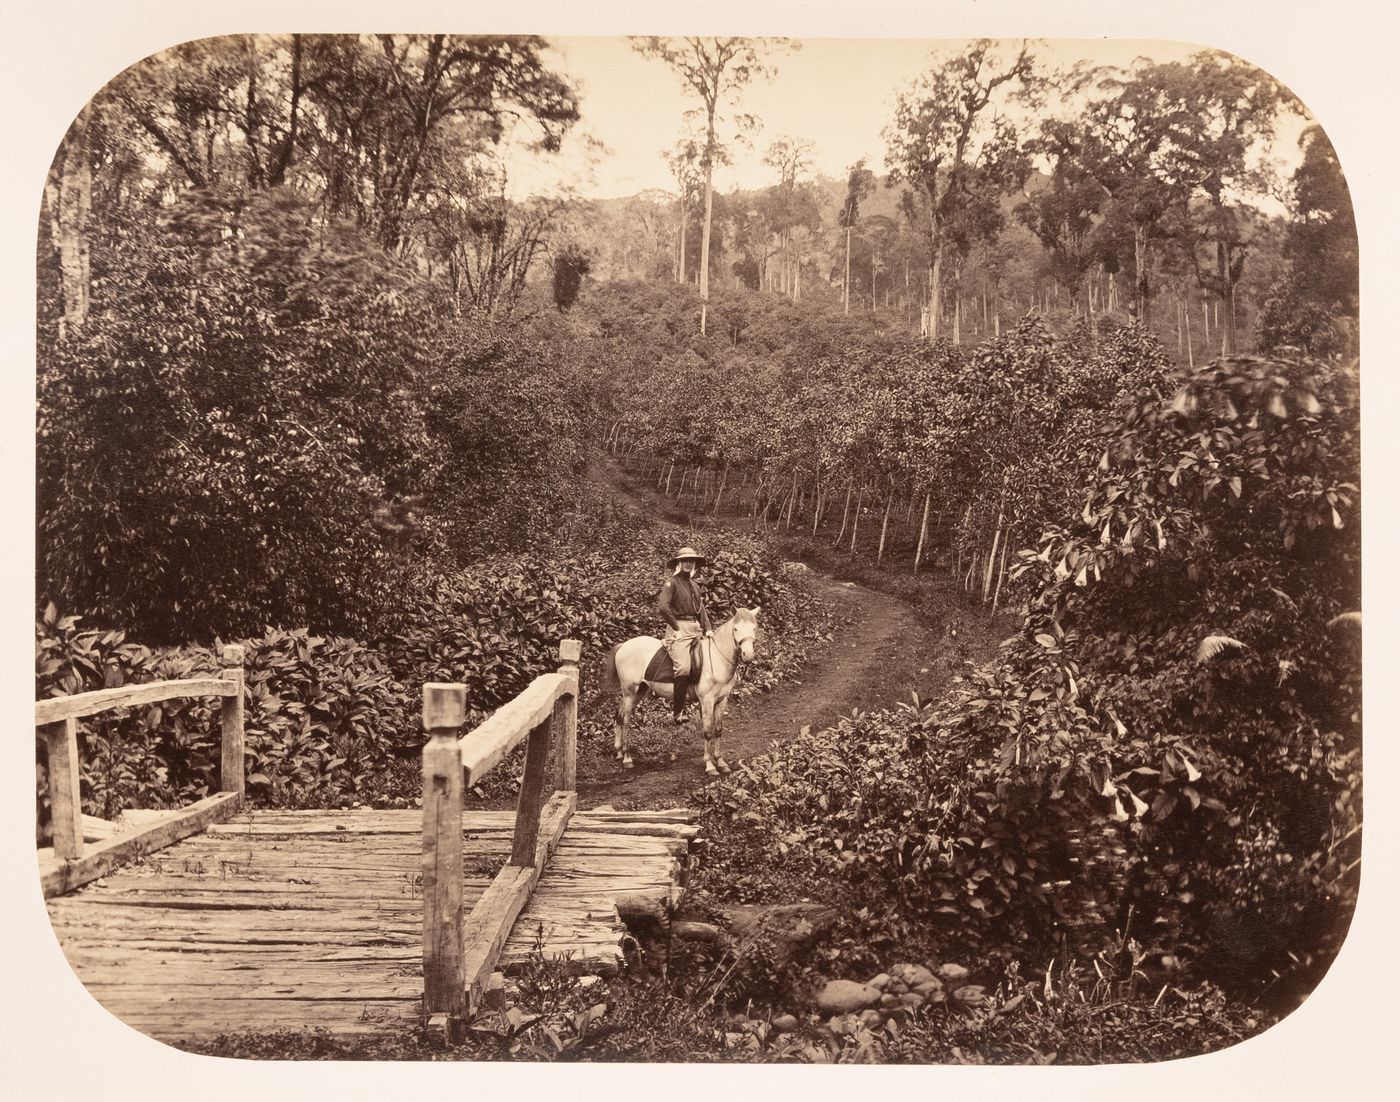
(663,671)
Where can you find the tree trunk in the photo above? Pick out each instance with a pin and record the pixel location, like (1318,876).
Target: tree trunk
(70,204)
(845,514)
(935,286)
(680,260)
(846,295)
(884,528)
(1001,574)
(1142,258)
(723,481)
(705,232)
(923,533)
(1225,270)
(855,524)
(1190,351)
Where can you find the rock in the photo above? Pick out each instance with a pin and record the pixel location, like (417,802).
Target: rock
(896,986)
(785,1023)
(881,981)
(930,987)
(911,975)
(912,998)
(697,931)
(952,974)
(888,1001)
(787,927)
(871,1019)
(844,996)
(971,994)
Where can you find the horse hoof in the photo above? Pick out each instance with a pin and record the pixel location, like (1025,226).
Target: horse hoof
(627,763)
(722,765)
(710,769)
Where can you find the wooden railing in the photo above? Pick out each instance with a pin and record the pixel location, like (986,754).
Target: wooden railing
(56,721)
(459,951)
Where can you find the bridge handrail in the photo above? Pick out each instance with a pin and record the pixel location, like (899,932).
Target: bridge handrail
(55,709)
(56,722)
(459,951)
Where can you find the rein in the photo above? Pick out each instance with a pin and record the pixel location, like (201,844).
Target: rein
(732,659)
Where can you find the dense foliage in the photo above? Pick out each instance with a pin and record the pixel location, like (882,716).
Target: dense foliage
(1168,751)
(332,720)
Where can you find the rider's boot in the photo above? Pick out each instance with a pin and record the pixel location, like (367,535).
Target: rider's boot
(678,694)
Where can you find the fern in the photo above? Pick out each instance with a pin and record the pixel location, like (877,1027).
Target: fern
(1212,645)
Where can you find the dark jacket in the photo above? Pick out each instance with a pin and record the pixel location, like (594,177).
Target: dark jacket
(681,597)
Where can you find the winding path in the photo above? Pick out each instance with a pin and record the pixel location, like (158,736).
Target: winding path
(879,653)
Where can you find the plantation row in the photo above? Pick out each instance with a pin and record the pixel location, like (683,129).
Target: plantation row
(954,453)
(1169,750)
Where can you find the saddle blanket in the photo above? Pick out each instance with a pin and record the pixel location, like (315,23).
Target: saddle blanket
(663,671)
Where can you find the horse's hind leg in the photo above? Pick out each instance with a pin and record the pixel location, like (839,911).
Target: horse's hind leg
(625,708)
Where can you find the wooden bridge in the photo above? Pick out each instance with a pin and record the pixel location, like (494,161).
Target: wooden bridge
(213,919)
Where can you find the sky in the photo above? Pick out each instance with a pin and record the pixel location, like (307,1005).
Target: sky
(838,93)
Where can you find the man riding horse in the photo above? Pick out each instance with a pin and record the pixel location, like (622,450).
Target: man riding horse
(682,606)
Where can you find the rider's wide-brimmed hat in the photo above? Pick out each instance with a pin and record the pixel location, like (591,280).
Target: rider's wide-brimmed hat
(686,553)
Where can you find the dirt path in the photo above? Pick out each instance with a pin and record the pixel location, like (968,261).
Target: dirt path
(879,652)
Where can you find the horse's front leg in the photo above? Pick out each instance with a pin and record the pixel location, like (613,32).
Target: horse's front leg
(707,728)
(721,706)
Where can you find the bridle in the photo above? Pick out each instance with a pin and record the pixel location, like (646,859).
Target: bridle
(733,659)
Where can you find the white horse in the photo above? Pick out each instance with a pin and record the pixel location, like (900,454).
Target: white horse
(720,658)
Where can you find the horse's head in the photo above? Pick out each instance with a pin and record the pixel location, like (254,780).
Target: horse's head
(745,629)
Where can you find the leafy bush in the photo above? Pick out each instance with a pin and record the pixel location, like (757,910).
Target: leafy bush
(1169,748)
(321,719)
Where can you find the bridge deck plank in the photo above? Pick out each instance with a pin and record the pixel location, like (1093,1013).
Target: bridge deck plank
(313,920)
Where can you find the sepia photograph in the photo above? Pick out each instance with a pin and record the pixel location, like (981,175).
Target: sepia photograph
(695,548)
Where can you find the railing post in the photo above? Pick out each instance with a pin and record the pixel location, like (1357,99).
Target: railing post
(65,795)
(231,721)
(566,721)
(531,800)
(444,960)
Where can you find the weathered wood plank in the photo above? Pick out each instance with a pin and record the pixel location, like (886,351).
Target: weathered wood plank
(105,856)
(231,723)
(487,745)
(238,930)
(566,720)
(444,982)
(65,798)
(57,709)
(496,911)
(531,797)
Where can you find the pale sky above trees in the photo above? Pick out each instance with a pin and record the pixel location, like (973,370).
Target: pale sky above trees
(837,93)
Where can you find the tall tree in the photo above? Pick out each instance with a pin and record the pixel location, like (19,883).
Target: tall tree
(860,183)
(1128,139)
(951,143)
(716,70)
(1062,217)
(684,162)
(1313,305)
(68,197)
(791,205)
(1232,107)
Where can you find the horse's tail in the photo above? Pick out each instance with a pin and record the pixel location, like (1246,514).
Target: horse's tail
(610,679)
